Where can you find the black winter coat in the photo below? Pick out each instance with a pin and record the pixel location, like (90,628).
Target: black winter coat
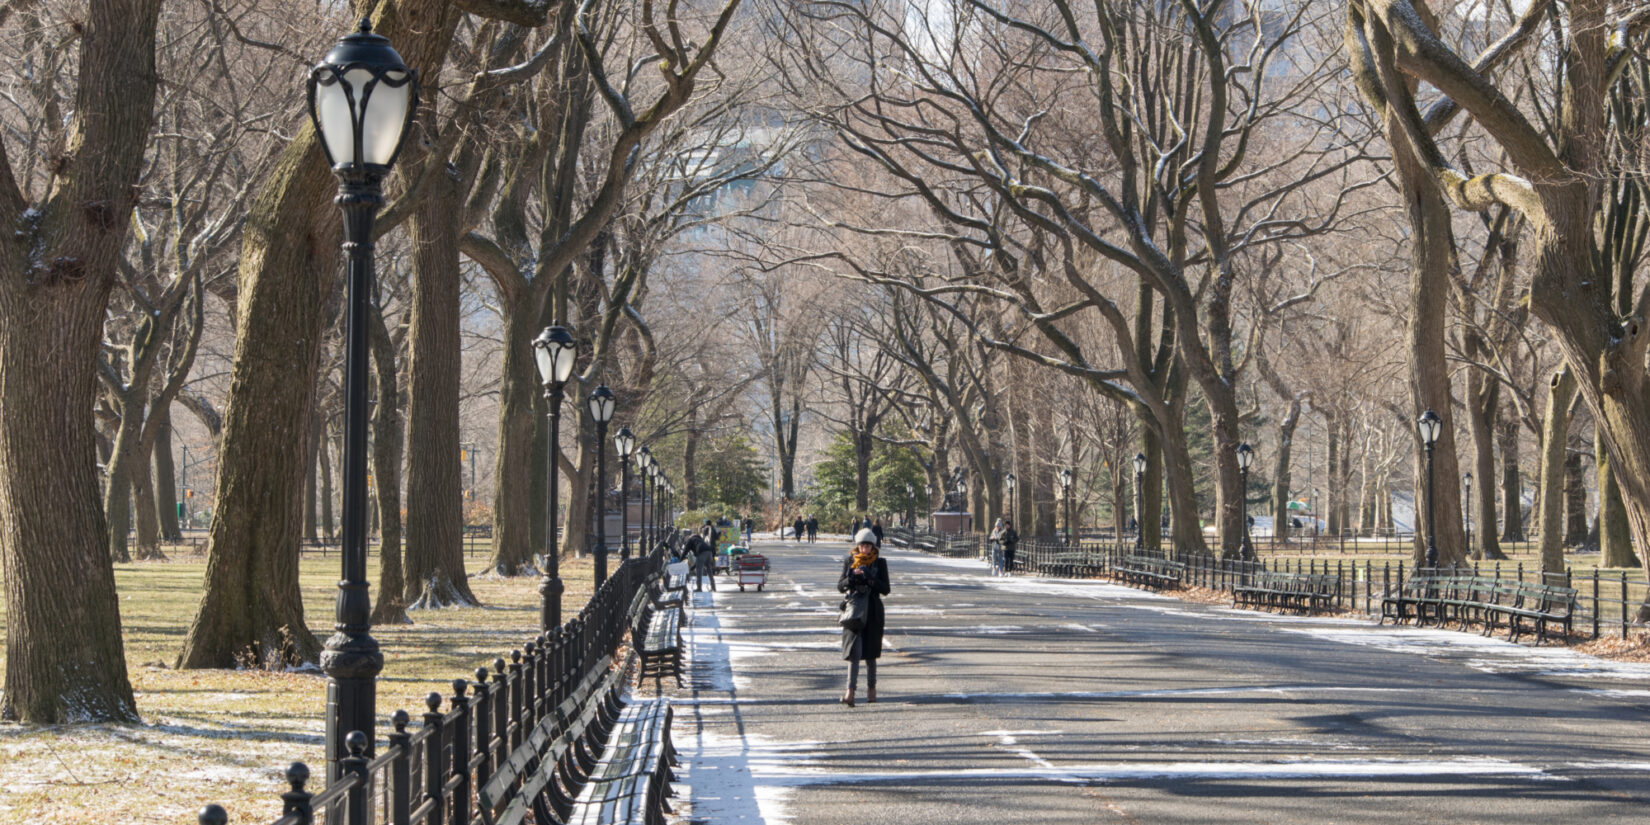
(865,643)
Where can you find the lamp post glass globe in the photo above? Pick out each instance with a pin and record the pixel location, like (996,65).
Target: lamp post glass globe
(1140,463)
(601,405)
(1245,455)
(554,352)
(361,99)
(1431,426)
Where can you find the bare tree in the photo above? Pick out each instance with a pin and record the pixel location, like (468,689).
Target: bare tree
(68,210)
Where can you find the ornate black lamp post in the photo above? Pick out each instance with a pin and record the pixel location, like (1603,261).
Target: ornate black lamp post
(1430,426)
(601,412)
(962,496)
(361,100)
(1065,498)
(1467,506)
(624,444)
(644,476)
(928,496)
(1139,483)
(1010,481)
(554,352)
(1245,457)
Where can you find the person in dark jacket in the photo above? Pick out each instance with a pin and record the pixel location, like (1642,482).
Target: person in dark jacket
(703,558)
(813,529)
(876,527)
(1010,540)
(799,528)
(864,572)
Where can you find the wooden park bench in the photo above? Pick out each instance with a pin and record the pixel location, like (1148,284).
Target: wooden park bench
(1413,600)
(1148,571)
(1542,605)
(1273,589)
(589,742)
(657,632)
(632,781)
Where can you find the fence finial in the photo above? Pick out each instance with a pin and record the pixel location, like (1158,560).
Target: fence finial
(213,815)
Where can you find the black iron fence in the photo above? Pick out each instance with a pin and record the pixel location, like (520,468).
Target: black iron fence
(1607,601)
(429,776)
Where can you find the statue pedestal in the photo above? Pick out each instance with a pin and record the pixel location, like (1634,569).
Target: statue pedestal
(953,522)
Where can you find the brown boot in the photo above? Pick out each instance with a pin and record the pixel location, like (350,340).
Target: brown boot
(870,696)
(848,698)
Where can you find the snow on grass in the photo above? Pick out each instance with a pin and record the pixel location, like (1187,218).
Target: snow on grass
(226,736)
(1478,652)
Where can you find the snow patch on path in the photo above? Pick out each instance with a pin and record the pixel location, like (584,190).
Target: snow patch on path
(1343,769)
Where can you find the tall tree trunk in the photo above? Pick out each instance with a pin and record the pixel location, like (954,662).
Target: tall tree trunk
(143,504)
(1483,399)
(1615,539)
(435,482)
(312,493)
(251,612)
(166,474)
(1512,482)
(513,547)
(690,460)
(386,464)
(325,473)
(1576,526)
(1151,490)
(117,485)
(65,661)
(1555,434)
(1042,477)
(1280,470)
(863,444)
(1332,486)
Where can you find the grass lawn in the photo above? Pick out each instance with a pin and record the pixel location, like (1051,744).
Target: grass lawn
(225,736)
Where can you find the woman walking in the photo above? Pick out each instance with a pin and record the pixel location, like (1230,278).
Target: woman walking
(864,573)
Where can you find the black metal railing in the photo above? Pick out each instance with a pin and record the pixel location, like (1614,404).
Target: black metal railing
(1606,601)
(429,776)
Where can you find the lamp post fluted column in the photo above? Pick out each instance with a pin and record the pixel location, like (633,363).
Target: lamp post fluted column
(624,445)
(1467,506)
(1139,483)
(550,586)
(361,98)
(601,411)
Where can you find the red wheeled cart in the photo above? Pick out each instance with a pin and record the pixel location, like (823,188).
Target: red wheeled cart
(752,569)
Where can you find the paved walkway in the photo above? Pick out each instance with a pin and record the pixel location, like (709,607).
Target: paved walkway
(1052,701)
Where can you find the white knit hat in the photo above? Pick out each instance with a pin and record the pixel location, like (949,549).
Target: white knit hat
(865,536)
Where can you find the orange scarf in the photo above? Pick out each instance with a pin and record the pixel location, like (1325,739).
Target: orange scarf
(864,557)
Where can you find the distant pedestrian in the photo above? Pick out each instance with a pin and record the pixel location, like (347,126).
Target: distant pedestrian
(813,529)
(799,528)
(750,526)
(864,574)
(1010,540)
(996,542)
(876,527)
